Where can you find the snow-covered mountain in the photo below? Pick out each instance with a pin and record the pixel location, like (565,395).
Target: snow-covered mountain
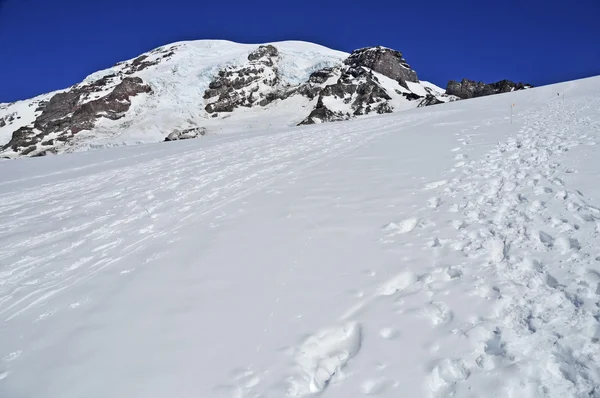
(216,86)
(445,251)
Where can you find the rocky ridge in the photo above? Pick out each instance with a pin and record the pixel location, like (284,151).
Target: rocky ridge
(63,115)
(349,90)
(466,88)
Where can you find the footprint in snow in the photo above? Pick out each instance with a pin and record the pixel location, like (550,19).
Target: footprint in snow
(321,357)
(389,333)
(435,184)
(377,386)
(566,245)
(403,226)
(459,224)
(546,239)
(438,313)
(434,202)
(446,374)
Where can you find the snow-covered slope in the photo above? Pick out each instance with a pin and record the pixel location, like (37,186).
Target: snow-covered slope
(217,85)
(438,252)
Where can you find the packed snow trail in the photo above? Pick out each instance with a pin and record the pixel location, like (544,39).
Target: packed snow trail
(532,242)
(438,252)
(510,251)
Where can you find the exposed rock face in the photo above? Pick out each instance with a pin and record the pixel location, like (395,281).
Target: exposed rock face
(259,83)
(316,82)
(70,112)
(429,100)
(370,80)
(470,89)
(186,134)
(357,87)
(383,60)
(267,52)
(254,83)
(8,119)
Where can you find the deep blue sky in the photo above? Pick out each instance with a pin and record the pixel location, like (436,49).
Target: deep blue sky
(47,45)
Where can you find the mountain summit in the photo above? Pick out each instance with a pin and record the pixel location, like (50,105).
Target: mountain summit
(215,86)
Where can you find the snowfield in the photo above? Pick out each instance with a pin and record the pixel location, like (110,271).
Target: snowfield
(437,252)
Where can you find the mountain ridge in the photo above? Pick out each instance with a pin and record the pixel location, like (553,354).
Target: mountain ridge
(216,86)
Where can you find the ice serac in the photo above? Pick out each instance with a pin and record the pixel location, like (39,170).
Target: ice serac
(471,89)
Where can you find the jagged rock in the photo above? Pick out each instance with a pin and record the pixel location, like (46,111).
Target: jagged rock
(22,138)
(254,83)
(335,90)
(470,89)
(64,112)
(267,52)
(41,106)
(411,96)
(186,134)
(321,76)
(383,60)
(140,63)
(28,150)
(323,114)
(429,100)
(357,87)
(8,119)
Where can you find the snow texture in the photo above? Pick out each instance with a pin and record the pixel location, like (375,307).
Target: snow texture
(438,252)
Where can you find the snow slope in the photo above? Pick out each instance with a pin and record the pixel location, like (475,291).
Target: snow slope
(438,252)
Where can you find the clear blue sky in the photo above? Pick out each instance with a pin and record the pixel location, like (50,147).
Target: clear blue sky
(47,45)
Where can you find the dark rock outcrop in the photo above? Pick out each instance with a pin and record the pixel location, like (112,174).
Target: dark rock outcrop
(356,87)
(8,119)
(383,60)
(241,86)
(140,63)
(68,113)
(411,96)
(267,52)
(470,89)
(429,100)
(315,84)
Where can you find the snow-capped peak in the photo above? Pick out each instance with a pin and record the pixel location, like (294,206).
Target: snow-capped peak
(216,85)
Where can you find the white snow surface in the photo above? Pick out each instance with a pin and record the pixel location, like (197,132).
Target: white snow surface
(437,252)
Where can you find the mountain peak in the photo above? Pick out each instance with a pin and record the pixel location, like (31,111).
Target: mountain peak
(386,61)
